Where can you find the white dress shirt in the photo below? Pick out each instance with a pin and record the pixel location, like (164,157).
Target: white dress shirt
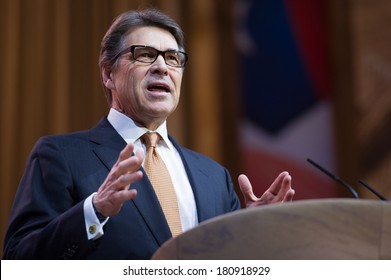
(131,133)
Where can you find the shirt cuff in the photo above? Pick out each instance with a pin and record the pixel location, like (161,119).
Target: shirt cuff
(94,227)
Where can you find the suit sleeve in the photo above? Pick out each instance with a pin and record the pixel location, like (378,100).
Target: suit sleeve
(46,222)
(233,197)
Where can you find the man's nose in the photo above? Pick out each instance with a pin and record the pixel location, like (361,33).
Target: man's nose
(159,66)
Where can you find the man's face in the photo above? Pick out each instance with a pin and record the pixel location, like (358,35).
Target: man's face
(147,93)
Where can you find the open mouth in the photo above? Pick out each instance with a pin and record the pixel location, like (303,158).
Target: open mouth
(159,88)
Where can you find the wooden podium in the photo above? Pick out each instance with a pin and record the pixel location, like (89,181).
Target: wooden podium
(301,230)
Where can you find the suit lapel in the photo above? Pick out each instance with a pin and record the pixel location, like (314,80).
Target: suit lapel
(149,207)
(146,202)
(200,182)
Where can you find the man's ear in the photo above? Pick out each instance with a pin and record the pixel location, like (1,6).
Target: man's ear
(107,77)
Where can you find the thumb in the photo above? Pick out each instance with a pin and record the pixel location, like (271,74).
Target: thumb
(246,188)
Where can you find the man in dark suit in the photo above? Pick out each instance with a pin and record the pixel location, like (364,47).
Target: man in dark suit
(86,195)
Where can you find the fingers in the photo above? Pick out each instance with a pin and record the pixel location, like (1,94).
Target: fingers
(126,152)
(128,170)
(279,181)
(115,189)
(110,206)
(124,180)
(246,188)
(127,164)
(125,195)
(279,191)
(281,186)
(289,195)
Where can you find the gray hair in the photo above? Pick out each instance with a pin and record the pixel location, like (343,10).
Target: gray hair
(113,41)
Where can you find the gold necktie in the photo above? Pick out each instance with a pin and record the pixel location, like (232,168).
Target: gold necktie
(161,182)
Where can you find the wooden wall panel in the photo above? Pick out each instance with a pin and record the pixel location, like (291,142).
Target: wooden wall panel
(371,22)
(361,60)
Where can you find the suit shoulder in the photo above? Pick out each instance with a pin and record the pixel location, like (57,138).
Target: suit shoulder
(71,137)
(66,138)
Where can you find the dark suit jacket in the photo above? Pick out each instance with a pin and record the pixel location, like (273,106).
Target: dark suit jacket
(47,219)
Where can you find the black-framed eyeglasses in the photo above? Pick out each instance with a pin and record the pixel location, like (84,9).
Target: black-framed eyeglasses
(148,55)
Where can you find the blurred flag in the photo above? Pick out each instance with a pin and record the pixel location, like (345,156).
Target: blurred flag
(287,113)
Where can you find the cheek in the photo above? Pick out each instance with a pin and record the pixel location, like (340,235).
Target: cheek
(177,80)
(130,83)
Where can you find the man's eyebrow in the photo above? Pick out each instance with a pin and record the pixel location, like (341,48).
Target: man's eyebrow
(168,49)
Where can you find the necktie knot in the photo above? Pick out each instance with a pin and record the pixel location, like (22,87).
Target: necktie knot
(150,139)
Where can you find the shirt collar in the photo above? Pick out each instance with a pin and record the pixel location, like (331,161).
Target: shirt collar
(130,131)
